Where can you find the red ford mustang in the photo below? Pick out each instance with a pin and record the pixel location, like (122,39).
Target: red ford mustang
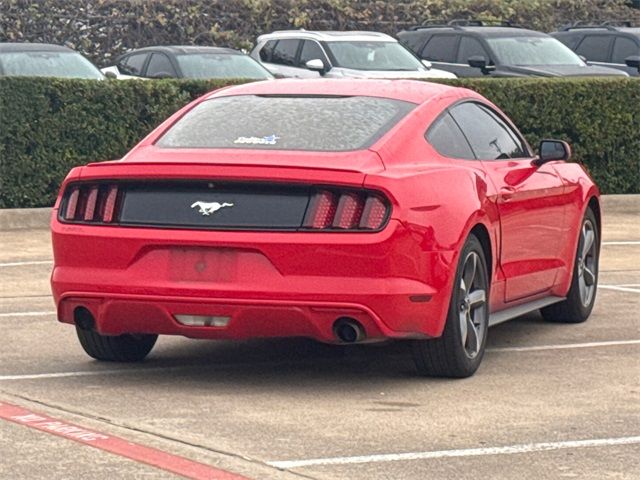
(346,211)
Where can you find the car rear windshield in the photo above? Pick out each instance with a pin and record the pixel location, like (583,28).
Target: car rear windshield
(385,56)
(524,51)
(48,64)
(221,65)
(316,123)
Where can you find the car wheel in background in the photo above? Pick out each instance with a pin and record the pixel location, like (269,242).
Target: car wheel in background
(582,293)
(120,348)
(459,351)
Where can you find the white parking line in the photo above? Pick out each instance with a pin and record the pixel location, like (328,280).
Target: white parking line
(27,314)
(619,288)
(20,264)
(468,452)
(622,243)
(566,346)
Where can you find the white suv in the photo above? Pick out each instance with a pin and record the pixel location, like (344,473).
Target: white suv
(306,54)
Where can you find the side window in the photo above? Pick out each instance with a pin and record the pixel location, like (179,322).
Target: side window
(448,140)
(595,47)
(468,48)
(160,66)
(132,65)
(441,48)
(623,48)
(310,51)
(285,52)
(489,136)
(267,50)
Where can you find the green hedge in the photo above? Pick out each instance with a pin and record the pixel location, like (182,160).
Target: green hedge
(48,126)
(103,29)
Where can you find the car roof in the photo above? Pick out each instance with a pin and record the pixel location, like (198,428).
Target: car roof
(329,35)
(605,28)
(186,49)
(414,91)
(33,47)
(491,32)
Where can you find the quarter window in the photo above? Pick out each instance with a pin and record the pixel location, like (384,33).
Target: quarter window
(267,50)
(133,63)
(595,47)
(623,48)
(285,52)
(489,136)
(448,140)
(441,48)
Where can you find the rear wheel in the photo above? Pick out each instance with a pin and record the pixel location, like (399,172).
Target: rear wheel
(121,348)
(459,351)
(582,294)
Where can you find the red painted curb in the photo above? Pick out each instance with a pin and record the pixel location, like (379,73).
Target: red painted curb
(133,451)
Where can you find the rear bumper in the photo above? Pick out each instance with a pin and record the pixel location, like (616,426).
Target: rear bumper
(270,284)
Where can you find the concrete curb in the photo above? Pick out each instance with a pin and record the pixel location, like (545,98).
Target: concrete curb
(34,218)
(24,218)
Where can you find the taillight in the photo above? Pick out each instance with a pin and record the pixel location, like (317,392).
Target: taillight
(339,211)
(93,203)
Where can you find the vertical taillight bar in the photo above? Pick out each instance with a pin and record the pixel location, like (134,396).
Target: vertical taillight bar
(110,204)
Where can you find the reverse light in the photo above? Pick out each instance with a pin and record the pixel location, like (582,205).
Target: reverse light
(340,211)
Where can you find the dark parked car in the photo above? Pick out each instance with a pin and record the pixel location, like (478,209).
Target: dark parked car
(186,62)
(44,60)
(606,45)
(474,49)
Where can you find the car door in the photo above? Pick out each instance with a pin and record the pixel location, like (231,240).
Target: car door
(596,48)
(442,51)
(311,50)
(470,47)
(133,65)
(530,201)
(624,47)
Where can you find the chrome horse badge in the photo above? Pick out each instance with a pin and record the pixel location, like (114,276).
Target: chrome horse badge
(209,208)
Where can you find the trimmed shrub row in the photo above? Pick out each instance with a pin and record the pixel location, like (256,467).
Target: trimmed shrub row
(49,126)
(103,29)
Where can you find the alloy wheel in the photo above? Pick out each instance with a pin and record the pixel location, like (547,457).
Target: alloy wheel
(473,305)
(587,266)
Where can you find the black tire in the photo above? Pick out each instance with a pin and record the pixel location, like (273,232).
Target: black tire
(448,355)
(121,348)
(576,308)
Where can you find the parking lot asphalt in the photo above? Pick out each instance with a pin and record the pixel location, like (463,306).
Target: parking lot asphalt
(549,401)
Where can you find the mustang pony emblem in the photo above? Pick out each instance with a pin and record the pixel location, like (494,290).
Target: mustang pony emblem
(209,208)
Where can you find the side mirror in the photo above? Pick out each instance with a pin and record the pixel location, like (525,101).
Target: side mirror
(633,61)
(316,65)
(427,64)
(478,61)
(552,150)
(110,75)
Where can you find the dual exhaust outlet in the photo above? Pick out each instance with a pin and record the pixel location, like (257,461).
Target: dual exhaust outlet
(345,329)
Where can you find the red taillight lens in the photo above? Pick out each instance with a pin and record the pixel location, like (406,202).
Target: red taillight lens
(330,210)
(72,204)
(322,210)
(374,214)
(95,203)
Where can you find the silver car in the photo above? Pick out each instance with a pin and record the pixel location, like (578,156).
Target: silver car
(307,54)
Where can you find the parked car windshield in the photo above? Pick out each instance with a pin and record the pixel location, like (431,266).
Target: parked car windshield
(221,65)
(522,51)
(317,123)
(373,56)
(48,64)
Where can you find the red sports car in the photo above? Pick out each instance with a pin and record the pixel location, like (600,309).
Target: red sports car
(342,210)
